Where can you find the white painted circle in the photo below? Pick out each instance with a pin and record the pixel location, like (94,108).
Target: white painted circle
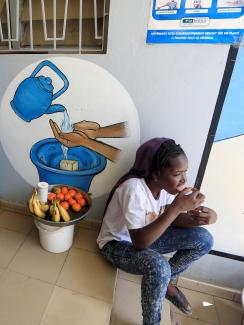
(93,95)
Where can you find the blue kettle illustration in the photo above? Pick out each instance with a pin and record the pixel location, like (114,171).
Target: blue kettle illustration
(34,95)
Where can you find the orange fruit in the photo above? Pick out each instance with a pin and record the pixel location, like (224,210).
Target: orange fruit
(56,190)
(78,196)
(51,196)
(72,192)
(65,205)
(72,201)
(76,207)
(60,196)
(82,201)
(64,189)
(67,197)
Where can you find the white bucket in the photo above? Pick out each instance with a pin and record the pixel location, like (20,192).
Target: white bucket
(55,239)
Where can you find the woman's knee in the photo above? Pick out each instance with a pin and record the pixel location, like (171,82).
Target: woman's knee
(159,268)
(205,239)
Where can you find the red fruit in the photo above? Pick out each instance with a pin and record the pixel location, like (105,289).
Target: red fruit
(72,192)
(51,196)
(65,205)
(72,201)
(60,196)
(76,207)
(64,190)
(78,196)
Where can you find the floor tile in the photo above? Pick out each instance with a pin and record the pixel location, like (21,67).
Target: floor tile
(10,242)
(202,306)
(86,239)
(2,270)
(129,277)
(208,288)
(69,307)
(88,274)
(184,320)
(127,305)
(229,312)
(34,261)
(22,299)
(16,221)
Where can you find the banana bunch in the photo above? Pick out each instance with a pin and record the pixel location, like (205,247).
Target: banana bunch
(64,213)
(57,212)
(37,207)
(54,211)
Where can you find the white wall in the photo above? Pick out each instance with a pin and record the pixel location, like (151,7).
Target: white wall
(174,88)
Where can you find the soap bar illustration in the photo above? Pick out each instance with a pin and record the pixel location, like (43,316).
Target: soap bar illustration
(66,164)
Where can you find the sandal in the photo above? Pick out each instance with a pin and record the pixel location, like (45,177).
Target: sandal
(180,301)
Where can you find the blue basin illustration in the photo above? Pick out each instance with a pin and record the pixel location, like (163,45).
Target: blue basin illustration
(47,154)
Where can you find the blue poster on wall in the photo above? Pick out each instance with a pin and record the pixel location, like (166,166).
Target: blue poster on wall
(196,21)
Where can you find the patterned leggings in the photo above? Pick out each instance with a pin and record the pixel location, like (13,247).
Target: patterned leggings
(189,243)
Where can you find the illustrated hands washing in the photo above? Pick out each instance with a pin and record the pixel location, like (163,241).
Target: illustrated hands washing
(85,133)
(93,130)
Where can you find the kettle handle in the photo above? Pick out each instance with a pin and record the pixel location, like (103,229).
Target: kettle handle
(56,69)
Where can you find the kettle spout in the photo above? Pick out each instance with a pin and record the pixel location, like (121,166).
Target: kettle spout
(55,109)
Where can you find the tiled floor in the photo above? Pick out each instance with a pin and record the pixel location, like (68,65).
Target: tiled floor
(42,288)
(77,287)
(207,309)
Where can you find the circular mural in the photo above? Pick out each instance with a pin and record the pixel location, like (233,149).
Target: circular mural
(66,120)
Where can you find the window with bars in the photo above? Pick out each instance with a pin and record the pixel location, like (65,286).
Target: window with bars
(48,26)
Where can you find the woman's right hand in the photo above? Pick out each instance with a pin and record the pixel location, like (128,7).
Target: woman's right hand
(185,201)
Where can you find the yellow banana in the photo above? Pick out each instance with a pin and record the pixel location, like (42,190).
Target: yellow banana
(30,202)
(44,206)
(37,209)
(64,214)
(51,209)
(56,214)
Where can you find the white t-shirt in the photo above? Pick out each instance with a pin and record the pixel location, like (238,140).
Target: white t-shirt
(132,206)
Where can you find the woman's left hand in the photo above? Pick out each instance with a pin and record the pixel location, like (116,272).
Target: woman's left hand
(203,216)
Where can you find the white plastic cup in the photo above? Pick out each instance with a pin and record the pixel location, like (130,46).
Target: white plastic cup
(42,191)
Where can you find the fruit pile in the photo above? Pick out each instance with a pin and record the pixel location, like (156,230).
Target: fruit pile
(68,197)
(60,200)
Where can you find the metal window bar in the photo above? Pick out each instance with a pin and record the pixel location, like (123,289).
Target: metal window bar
(10,39)
(80,26)
(95,21)
(31,26)
(54,38)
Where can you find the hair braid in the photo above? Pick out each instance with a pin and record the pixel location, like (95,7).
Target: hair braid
(165,153)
